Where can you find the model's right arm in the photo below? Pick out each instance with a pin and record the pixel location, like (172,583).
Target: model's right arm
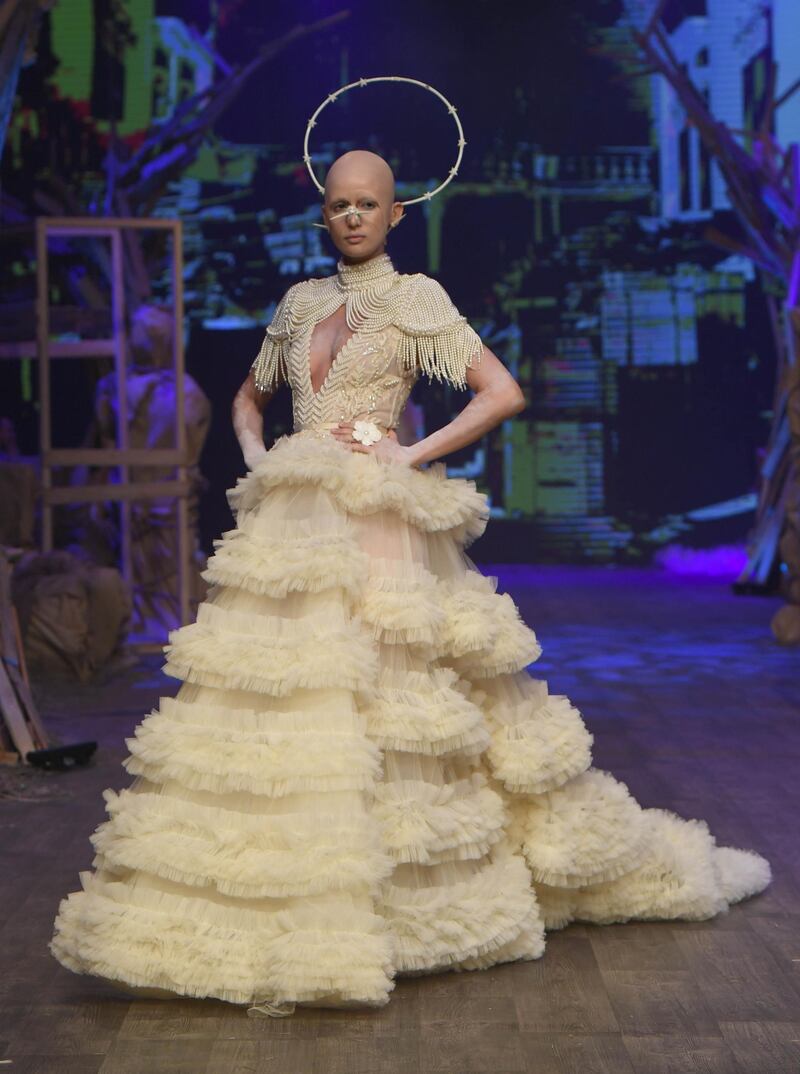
(247,414)
(267,373)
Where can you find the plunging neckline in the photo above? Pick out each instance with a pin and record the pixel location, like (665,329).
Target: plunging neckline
(336,358)
(360,286)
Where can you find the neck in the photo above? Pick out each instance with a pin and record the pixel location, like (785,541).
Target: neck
(347,260)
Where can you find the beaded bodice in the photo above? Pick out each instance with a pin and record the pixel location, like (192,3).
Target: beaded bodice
(401,325)
(366,381)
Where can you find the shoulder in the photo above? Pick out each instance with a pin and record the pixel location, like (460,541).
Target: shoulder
(294,292)
(303,291)
(424,304)
(294,306)
(421,284)
(283,303)
(311,286)
(303,294)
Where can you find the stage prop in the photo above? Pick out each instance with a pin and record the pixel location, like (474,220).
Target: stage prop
(127,490)
(155,537)
(23,737)
(763,181)
(74,615)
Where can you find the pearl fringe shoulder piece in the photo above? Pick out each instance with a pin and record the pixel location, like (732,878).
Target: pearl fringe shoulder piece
(435,338)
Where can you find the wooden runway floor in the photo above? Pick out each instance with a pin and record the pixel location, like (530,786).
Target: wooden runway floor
(692,704)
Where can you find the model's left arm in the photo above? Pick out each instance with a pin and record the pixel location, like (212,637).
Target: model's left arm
(497,397)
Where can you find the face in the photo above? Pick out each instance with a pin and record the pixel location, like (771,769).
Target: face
(359,205)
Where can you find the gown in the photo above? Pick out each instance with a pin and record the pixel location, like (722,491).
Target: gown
(360,777)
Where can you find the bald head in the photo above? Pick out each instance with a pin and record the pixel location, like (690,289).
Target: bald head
(360,169)
(360,207)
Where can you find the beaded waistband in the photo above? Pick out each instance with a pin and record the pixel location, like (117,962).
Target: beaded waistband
(333,424)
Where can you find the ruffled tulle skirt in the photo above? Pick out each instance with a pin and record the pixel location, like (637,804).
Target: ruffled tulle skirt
(359,777)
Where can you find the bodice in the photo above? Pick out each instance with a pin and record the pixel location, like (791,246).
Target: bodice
(367,381)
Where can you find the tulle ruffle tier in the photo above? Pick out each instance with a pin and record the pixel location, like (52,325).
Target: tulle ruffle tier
(359,776)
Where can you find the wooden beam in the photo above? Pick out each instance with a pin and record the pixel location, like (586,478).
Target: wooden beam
(114,457)
(139,490)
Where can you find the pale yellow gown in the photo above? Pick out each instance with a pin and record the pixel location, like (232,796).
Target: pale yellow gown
(359,777)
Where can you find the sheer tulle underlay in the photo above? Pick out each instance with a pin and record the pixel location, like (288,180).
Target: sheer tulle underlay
(359,777)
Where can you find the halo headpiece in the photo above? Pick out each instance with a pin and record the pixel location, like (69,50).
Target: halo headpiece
(361,83)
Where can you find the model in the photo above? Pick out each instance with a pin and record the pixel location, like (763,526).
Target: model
(359,777)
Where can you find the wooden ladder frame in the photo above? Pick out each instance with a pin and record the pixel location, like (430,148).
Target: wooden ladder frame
(123,456)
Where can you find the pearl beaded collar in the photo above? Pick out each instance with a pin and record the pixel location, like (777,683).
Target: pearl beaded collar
(377,274)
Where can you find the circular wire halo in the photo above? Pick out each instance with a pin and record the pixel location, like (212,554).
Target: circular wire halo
(361,83)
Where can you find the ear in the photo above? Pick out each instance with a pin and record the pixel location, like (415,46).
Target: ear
(397,214)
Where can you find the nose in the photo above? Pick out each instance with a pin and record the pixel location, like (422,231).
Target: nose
(353,218)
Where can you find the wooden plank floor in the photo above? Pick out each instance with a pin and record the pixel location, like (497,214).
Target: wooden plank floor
(691,703)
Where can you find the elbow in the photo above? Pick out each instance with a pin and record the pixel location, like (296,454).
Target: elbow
(504,400)
(515,401)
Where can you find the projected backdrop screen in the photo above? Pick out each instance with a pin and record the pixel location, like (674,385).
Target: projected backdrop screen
(574,237)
